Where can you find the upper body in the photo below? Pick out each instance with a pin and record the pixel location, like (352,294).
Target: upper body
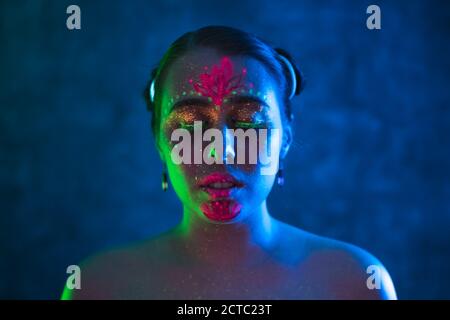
(222,121)
(298,265)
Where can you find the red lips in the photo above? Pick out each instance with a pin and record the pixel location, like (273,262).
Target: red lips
(223,210)
(219,187)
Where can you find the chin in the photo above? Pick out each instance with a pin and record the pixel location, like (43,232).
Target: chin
(222,211)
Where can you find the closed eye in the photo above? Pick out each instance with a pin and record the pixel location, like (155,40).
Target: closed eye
(191,126)
(250,125)
(187,126)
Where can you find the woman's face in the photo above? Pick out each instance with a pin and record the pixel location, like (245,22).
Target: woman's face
(218,178)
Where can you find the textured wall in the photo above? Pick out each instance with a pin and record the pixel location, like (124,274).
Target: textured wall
(370,163)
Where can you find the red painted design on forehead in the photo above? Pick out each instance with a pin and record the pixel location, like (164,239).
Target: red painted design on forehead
(220,82)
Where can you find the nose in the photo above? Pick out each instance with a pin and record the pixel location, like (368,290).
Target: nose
(228,142)
(225,154)
(228,154)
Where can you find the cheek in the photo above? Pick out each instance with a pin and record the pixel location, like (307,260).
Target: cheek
(260,181)
(257,189)
(181,176)
(182,179)
(266,153)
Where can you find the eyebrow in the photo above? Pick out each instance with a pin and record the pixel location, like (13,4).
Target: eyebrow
(203,102)
(190,101)
(246,99)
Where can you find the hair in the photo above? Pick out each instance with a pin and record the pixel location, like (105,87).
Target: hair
(229,41)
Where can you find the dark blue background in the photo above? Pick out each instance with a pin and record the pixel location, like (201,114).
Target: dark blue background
(370,162)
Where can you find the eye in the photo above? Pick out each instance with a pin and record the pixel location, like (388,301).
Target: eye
(191,127)
(250,125)
(187,126)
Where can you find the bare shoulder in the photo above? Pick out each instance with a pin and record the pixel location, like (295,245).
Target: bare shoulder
(117,273)
(338,270)
(99,274)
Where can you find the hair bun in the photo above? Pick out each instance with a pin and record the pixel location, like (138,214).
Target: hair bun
(296,76)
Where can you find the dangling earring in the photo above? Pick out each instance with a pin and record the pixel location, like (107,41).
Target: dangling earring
(280,177)
(165,184)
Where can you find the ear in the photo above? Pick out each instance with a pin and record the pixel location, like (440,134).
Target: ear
(287,140)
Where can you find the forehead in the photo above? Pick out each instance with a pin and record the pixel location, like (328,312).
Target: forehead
(200,72)
(194,63)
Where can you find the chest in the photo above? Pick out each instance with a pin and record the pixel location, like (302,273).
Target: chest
(181,282)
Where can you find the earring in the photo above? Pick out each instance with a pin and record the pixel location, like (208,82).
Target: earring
(280,177)
(165,184)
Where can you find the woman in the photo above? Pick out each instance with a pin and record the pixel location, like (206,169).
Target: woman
(228,246)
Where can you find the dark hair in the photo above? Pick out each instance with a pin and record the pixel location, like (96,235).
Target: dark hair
(229,41)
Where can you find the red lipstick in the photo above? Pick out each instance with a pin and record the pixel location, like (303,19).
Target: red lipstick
(219,187)
(223,210)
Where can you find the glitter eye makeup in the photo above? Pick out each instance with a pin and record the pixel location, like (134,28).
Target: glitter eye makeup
(187,126)
(190,103)
(249,125)
(244,117)
(184,116)
(247,119)
(249,115)
(241,111)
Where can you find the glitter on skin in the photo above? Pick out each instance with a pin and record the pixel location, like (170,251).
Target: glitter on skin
(243,115)
(243,110)
(223,210)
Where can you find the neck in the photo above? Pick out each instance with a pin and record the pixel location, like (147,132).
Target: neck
(245,242)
